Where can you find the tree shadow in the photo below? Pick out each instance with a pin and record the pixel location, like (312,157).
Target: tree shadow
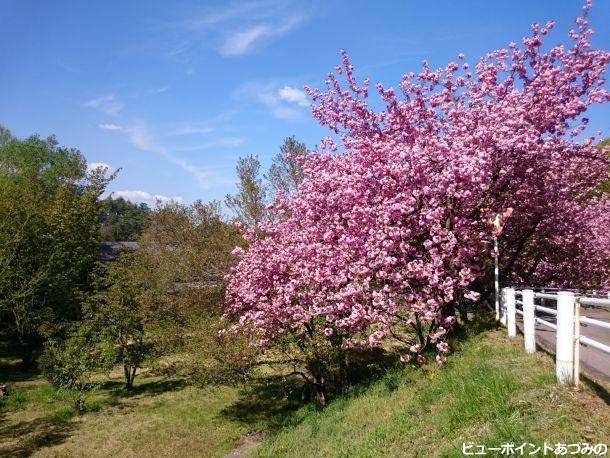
(267,403)
(599,389)
(144,388)
(32,435)
(14,371)
(120,397)
(26,437)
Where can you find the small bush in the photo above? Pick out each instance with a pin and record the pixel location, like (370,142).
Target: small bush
(66,364)
(62,415)
(13,400)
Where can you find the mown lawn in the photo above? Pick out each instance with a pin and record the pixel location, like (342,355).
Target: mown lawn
(491,392)
(160,418)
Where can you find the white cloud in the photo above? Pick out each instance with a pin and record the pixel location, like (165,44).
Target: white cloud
(192,129)
(160,90)
(135,195)
(91,166)
(108,104)
(294,95)
(109,126)
(140,137)
(232,11)
(284,102)
(236,28)
(241,42)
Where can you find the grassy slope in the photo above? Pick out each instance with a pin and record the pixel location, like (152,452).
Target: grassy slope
(491,392)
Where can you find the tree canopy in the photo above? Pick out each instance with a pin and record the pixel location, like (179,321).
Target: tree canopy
(49,234)
(122,220)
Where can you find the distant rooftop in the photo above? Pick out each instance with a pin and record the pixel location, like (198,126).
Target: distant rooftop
(110,251)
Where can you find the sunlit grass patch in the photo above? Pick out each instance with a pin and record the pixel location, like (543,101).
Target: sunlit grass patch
(489,393)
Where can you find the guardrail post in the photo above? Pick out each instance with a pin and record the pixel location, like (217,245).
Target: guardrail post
(498,301)
(510,312)
(564,349)
(503,306)
(576,342)
(529,321)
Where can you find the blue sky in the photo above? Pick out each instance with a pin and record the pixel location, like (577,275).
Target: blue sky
(173,92)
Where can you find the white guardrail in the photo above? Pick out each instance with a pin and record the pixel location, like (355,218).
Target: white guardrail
(568,315)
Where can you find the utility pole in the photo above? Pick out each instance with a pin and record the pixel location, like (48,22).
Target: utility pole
(496,223)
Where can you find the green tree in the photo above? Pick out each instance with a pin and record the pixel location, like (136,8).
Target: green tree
(285,172)
(183,257)
(49,236)
(123,220)
(110,331)
(114,314)
(249,204)
(5,135)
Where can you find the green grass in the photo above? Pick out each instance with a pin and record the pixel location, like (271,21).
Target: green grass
(158,418)
(490,392)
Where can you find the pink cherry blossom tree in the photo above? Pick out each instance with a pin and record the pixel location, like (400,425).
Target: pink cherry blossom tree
(386,235)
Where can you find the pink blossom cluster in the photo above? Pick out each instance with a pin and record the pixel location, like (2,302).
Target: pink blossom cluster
(389,233)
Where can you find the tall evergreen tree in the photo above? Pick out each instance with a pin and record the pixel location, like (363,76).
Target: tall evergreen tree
(123,220)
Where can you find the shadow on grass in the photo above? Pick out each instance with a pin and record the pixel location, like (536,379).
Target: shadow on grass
(118,397)
(599,389)
(30,436)
(12,370)
(143,388)
(269,404)
(266,404)
(26,437)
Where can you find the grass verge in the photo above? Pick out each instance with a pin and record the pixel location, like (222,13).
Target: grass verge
(489,393)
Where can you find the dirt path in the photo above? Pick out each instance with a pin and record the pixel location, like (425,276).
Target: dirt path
(250,442)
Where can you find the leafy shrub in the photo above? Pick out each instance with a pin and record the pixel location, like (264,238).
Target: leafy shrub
(67,364)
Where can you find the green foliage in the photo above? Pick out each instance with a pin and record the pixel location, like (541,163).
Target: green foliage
(114,316)
(5,135)
(183,256)
(284,175)
(110,332)
(67,363)
(182,259)
(249,204)
(49,215)
(285,172)
(123,220)
(217,360)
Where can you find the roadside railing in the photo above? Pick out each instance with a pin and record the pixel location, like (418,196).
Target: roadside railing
(563,311)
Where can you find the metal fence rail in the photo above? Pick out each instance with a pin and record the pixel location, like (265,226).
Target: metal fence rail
(568,318)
